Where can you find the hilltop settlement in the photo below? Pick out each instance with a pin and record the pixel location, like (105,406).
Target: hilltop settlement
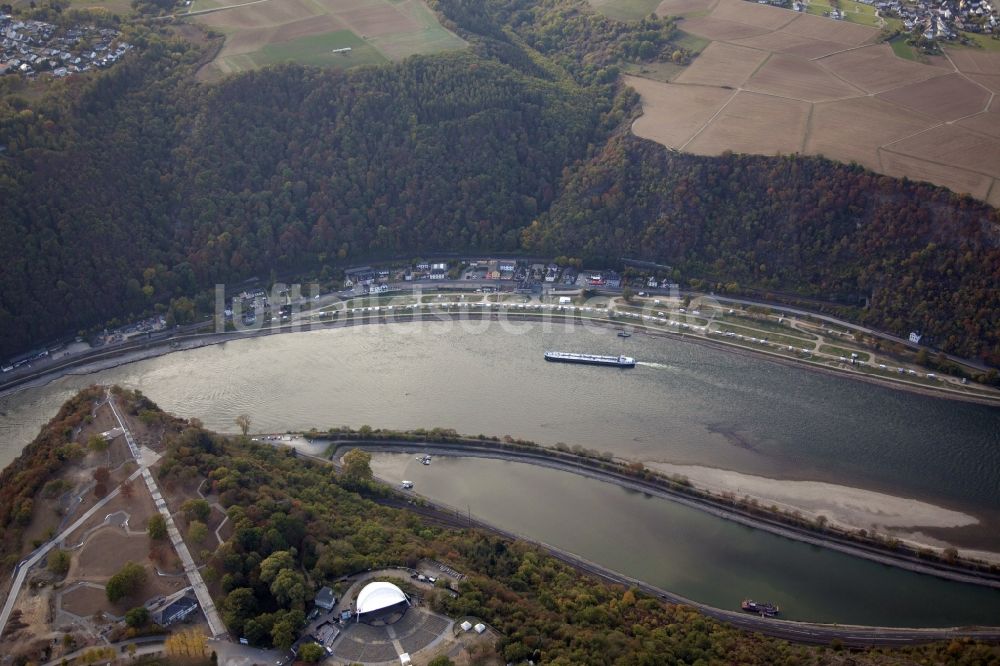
(30,48)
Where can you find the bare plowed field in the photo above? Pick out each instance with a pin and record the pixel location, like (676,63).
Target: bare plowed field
(947,97)
(753,123)
(688,107)
(955,146)
(722,64)
(875,68)
(853,129)
(990,81)
(796,78)
(817,27)
(761,16)
(784,42)
(957,179)
(720,30)
(777,81)
(986,123)
(971,61)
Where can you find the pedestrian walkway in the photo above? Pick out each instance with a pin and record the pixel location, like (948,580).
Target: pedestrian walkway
(21,570)
(215,624)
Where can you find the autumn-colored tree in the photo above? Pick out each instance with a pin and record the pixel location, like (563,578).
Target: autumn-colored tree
(197,531)
(187,643)
(357,466)
(243,421)
(196,509)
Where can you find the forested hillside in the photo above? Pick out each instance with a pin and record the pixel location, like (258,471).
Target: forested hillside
(142,187)
(927,259)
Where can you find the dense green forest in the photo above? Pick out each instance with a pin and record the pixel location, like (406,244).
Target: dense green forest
(299,525)
(927,259)
(141,187)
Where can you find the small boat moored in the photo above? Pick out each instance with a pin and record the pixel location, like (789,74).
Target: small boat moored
(762,608)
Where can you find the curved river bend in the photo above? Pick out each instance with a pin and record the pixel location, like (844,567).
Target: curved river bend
(685,404)
(687,551)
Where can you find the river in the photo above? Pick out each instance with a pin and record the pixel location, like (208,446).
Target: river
(687,551)
(856,452)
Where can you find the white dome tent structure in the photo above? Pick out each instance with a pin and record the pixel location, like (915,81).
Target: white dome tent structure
(378,600)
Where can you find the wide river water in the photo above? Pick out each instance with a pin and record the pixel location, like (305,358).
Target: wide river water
(684,404)
(687,551)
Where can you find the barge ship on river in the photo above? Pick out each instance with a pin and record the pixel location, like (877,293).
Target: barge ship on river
(590,359)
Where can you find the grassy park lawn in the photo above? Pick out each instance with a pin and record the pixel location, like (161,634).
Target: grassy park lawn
(846,353)
(985,42)
(902,49)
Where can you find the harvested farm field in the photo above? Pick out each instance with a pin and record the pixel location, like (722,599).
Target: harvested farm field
(947,97)
(875,69)
(954,145)
(325,33)
(722,64)
(990,81)
(720,30)
(915,168)
(690,107)
(785,42)
(754,123)
(852,130)
(984,123)
(792,77)
(775,81)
